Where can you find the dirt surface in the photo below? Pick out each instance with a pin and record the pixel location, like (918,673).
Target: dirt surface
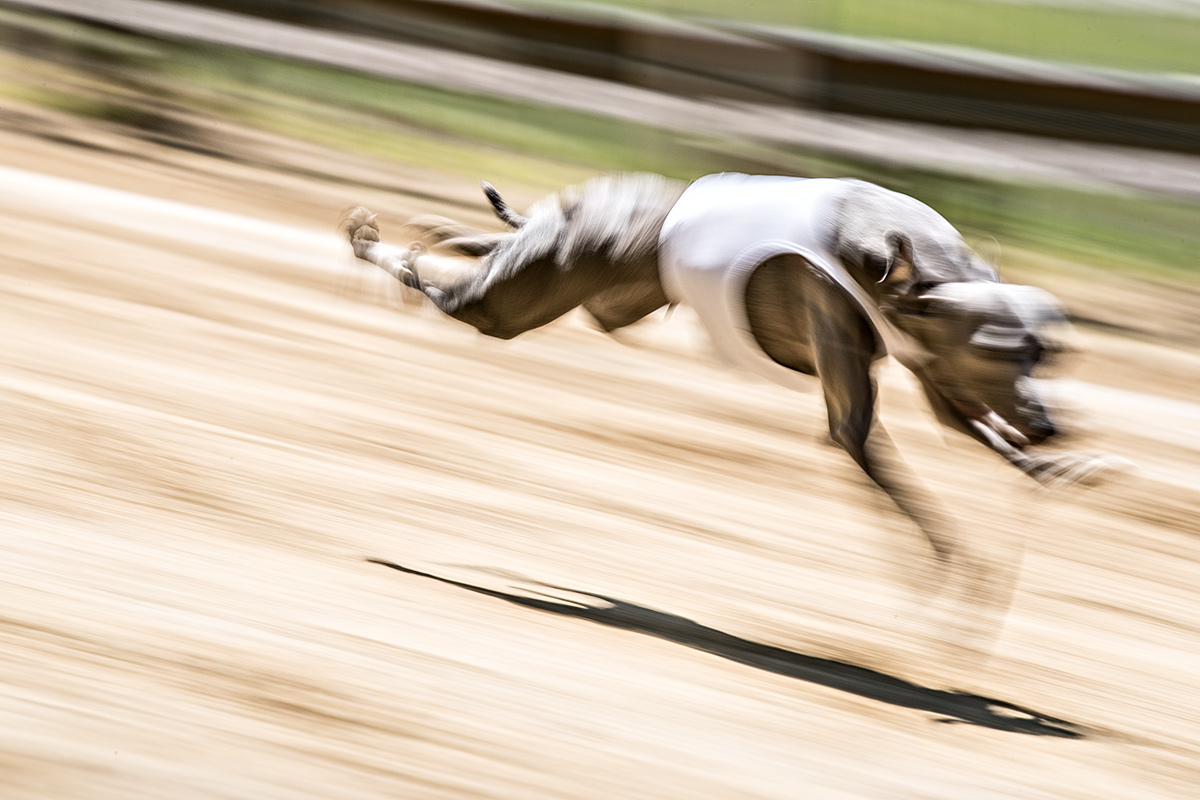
(611,569)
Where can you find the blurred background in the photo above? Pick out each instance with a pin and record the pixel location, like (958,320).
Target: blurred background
(619,572)
(1070,129)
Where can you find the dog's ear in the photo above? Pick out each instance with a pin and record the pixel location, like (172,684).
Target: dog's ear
(900,268)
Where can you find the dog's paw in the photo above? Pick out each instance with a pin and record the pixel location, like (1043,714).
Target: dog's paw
(1061,470)
(362,229)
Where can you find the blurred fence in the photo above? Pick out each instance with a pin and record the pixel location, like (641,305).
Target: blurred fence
(788,66)
(770,65)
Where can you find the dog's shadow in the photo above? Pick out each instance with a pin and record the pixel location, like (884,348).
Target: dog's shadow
(949,706)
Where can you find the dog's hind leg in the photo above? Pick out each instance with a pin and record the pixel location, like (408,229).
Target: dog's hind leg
(506,298)
(416,266)
(625,305)
(361,227)
(502,294)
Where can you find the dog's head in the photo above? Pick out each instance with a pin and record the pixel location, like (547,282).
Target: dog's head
(986,342)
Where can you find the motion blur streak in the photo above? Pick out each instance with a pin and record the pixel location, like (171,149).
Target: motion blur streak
(262,537)
(188,224)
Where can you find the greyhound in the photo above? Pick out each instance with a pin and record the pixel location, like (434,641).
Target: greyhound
(799,280)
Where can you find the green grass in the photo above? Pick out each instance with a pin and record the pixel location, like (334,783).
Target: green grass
(542,148)
(1106,37)
(317,100)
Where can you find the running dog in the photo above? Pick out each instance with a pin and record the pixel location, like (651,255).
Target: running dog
(794,279)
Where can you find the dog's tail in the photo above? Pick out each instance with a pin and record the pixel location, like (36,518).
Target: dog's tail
(509,217)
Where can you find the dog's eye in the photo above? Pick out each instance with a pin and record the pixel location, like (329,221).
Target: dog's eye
(1017,355)
(916,306)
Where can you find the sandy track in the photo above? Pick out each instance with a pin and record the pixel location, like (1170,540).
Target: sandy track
(620,571)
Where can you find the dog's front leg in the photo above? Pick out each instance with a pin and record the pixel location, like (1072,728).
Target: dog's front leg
(1052,470)
(844,356)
